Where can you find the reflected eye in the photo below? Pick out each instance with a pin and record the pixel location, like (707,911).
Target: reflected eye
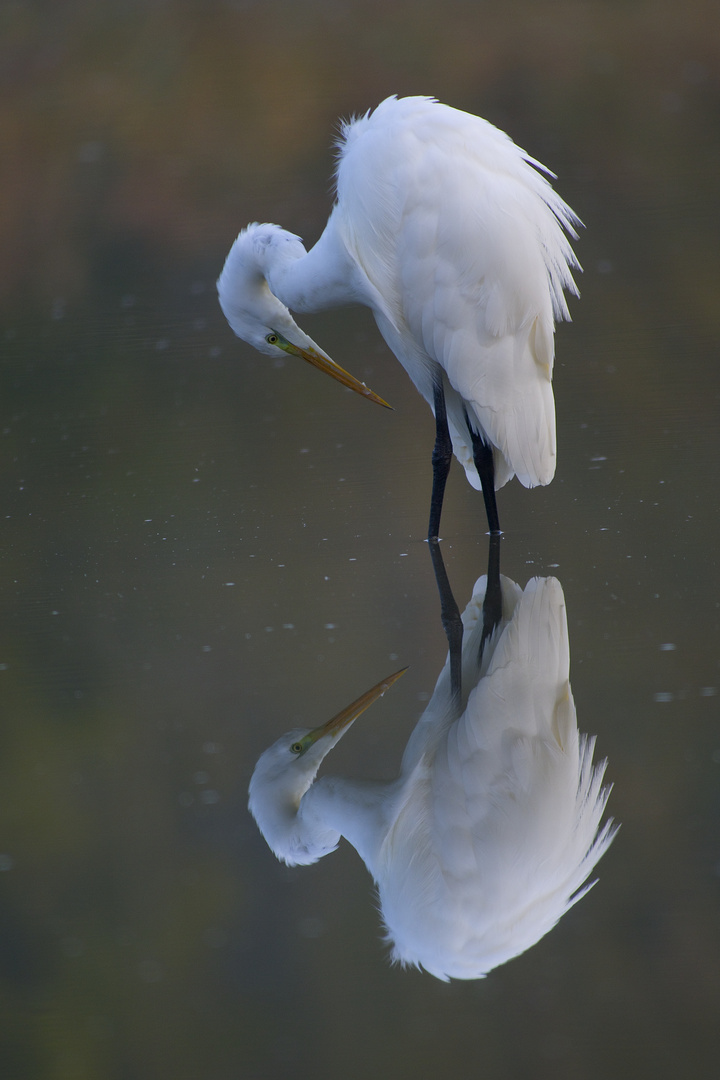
(272,339)
(297,748)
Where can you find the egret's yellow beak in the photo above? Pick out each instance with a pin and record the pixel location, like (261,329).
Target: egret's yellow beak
(324,363)
(344,719)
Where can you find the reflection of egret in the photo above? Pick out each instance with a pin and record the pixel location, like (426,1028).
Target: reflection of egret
(446,231)
(493,825)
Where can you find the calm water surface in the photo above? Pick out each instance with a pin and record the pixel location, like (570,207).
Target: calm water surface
(202,549)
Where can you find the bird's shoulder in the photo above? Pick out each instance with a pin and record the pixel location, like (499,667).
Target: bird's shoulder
(422,125)
(446,216)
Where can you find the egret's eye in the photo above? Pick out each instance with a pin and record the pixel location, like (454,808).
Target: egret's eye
(297,748)
(272,339)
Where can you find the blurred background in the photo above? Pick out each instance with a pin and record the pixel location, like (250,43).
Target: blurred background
(202,548)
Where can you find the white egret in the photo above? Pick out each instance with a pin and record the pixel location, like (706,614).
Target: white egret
(449,233)
(493,825)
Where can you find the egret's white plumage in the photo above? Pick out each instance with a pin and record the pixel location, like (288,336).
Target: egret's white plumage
(493,826)
(455,240)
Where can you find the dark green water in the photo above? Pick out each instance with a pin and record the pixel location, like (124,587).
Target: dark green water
(201,550)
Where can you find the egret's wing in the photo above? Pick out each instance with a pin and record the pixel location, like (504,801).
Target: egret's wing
(514,758)
(465,240)
(500,831)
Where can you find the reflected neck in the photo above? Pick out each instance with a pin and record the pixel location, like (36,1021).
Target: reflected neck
(360,810)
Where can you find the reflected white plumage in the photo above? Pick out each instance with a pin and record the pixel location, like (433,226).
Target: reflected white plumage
(493,826)
(449,233)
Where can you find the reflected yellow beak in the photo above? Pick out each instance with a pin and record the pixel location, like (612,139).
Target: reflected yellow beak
(324,363)
(344,719)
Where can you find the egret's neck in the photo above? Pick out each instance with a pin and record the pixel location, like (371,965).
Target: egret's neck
(324,277)
(360,810)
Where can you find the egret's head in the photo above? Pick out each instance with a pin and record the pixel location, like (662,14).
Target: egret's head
(255,313)
(285,772)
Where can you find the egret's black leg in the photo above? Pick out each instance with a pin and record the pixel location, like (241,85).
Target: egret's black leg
(451,620)
(441,459)
(492,604)
(483,457)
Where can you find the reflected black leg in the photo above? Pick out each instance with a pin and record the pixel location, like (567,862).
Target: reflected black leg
(483,457)
(492,604)
(451,620)
(441,460)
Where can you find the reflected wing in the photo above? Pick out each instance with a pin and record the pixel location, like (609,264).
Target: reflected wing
(501,828)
